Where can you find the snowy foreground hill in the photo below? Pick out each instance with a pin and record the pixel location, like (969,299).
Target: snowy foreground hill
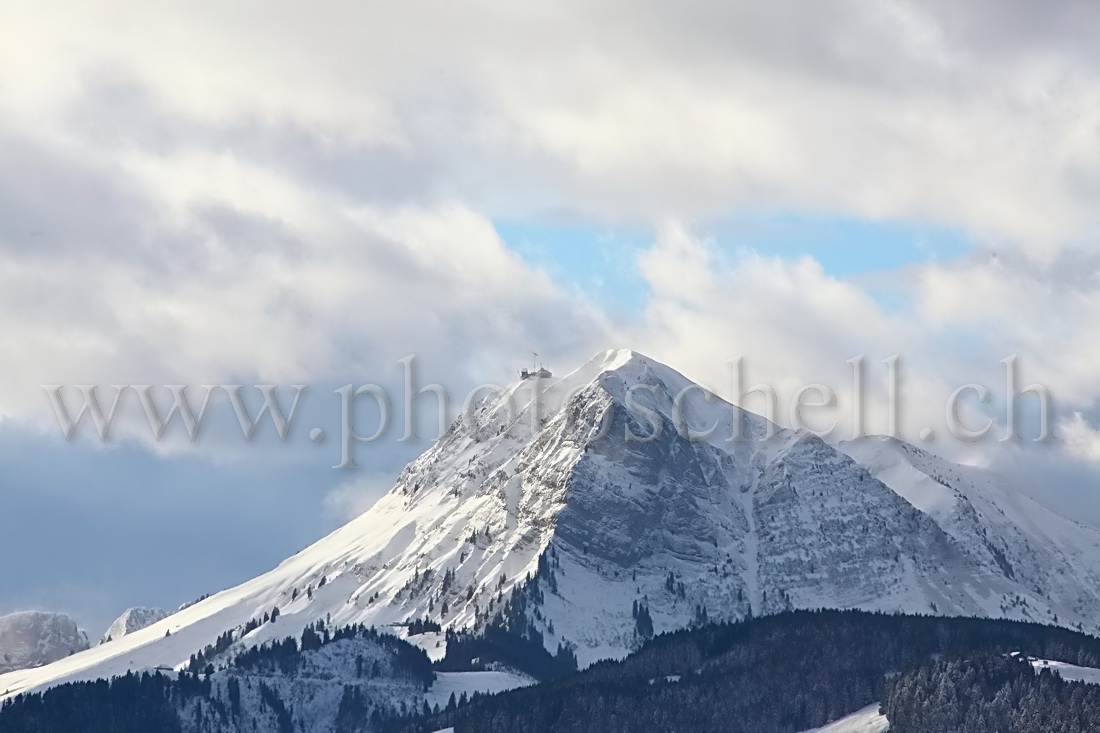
(542,512)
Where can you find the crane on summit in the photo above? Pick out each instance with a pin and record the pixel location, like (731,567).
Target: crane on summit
(537,371)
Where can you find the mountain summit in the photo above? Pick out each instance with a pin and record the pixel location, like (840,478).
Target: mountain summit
(131,620)
(579,513)
(31,639)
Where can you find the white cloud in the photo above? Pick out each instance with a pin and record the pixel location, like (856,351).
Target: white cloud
(205,268)
(794,325)
(791,322)
(632,112)
(1082,440)
(289,166)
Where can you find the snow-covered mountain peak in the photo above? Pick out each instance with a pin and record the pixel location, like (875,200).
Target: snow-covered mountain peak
(550,394)
(131,620)
(34,638)
(594,509)
(633,382)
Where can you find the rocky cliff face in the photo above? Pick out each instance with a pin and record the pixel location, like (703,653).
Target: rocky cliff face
(35,638)
(720,529)
(582,513)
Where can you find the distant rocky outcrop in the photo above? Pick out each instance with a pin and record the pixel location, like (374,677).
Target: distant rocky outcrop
(34,638)
(131,620)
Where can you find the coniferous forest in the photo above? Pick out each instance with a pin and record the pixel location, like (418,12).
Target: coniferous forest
(780,674)
(130,704)
(983,693)
(783,673)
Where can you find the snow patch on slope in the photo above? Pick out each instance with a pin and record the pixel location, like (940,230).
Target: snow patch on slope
(459,683)
(867,720)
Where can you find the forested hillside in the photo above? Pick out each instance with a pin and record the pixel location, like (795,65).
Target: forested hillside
(776,674)
(989,693)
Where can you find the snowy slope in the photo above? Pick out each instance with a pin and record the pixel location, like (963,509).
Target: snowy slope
(31,639)
(1053,562)
(131,620)
(867,720)
(542,509)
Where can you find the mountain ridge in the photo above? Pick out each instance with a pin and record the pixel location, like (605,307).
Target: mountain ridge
(575,512)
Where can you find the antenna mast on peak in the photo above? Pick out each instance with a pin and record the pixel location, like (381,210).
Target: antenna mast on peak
(537,369)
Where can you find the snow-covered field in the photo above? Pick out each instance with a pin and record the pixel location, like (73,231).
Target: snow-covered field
(1069,672)
(867,720)
(456,683)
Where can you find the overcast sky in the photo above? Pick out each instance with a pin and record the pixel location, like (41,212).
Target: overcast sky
(211,192)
